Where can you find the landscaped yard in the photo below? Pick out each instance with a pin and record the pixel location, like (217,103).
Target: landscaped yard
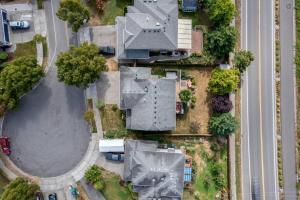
(210,165)
(201,112)
(113,190)
(112,9)
(25,49)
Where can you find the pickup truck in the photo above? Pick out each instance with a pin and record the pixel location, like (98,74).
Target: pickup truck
(19,25)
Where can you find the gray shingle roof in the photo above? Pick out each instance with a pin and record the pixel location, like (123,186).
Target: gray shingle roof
(149,101)
(154,173)
(148,25)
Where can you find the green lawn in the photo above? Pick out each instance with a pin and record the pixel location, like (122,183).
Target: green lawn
(198,18)
(113,190)
(25,49)
(113,9)
(3,181)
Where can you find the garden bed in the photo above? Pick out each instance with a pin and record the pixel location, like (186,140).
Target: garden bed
(209,169)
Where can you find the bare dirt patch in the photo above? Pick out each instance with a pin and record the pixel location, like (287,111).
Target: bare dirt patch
(112,64)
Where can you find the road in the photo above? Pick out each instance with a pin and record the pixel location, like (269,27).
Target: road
(258,142)
(287,100)
(48,134)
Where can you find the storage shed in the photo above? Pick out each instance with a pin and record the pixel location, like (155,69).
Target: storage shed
(114,145)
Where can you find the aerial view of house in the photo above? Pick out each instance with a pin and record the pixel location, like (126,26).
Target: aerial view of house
(149,99)
(151,30)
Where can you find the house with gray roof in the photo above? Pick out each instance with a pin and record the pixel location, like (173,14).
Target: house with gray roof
(150,30)
(154,173)
(4,29)
(149,101)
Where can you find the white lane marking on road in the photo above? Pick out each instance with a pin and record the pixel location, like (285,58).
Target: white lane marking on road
(260,100)
(55,39)
(247,90)
(273,101)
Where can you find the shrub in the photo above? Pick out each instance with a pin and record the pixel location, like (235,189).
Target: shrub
(194,127)
(223,81)
(38,38)
(223,124)
(114,108)
(21,189)
(204,58)
(185,95)
(89,116)
(93,174)
(221,103)
(99,185)
(100,104)
(3,55)
(242,59)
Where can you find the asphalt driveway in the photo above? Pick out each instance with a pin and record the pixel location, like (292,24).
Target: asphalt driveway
(48,134)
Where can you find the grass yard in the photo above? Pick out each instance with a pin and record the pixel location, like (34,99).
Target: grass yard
(112,9)
(201,112)
(198,18)
(25,49)
(3,182)
(113,190)
(111,118)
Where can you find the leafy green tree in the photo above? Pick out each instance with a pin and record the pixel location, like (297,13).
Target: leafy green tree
(242,59)
(185,96)
(93,174)
(80,66)
(221,41)
(74,12)
(221,12)
(17,78)
(223,124)
(20,189)
(223,81)
(3,56)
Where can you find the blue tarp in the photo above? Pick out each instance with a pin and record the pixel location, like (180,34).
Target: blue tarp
(189,5)
(187,174)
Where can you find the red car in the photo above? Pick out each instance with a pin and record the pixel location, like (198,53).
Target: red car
(5,146)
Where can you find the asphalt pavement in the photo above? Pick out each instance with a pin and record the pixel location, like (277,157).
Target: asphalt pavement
(48,134)
(258,143)
(287,100)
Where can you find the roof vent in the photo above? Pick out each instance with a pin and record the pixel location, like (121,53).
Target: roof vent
(157,24)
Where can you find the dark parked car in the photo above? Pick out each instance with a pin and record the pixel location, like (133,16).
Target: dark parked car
(110,51)
(52,196)
(115,156)
(39,196)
